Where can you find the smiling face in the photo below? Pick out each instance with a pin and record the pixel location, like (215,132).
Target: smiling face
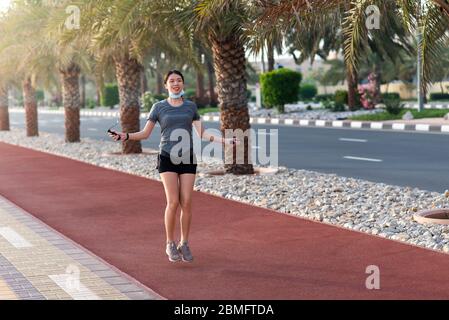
(174,83)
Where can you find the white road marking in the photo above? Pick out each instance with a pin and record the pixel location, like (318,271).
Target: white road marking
(363,159)
(77,291)
(92,129)
(14,238)
(352,140)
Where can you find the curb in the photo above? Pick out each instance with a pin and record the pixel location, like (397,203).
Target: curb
(426,106)
(348,124)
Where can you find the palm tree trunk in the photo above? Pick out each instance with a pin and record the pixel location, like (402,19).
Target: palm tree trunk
(351,79)
(378,79)
(29,98)
(71,101)
(159,83)
(210,79)
(229,62)
(98,89)
(199,95)
(270,56)
(83,91)
(4,114)
(143,83)
(128,73)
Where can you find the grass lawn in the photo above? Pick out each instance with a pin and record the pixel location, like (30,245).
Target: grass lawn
(427,113)
(202,111)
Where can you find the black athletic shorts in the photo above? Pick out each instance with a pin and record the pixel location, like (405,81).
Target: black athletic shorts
(165,164)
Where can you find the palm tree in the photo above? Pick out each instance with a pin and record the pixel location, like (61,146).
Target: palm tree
(32,33)
(124,32)
(17,48)
(432,22)
(223,22)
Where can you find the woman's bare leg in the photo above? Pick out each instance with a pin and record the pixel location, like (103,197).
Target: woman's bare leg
(170,181)
(186,182)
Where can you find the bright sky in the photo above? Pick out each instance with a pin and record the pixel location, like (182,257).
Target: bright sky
(4,4)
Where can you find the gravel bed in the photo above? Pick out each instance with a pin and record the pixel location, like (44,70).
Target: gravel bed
(299,111)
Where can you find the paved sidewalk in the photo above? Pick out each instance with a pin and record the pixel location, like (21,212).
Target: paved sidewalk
(241,251)
(38,263)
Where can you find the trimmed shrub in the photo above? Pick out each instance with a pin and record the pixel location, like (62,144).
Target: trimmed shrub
(40,96)
(110,95)
(340,99)
(439,96)
(160,97)
(393,105)
(392,95)
(338,107)
(279,87)
(323,97)
(148,99)
(90,103)
(307,91)
(190,94)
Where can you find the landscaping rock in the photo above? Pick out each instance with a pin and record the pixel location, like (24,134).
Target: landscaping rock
(408,116)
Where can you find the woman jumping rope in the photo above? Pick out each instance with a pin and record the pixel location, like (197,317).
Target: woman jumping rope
(175,113)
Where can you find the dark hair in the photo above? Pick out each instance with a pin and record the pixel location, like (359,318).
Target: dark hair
(173,72)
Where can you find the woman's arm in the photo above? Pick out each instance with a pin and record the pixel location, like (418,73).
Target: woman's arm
(143,134)
(210,137)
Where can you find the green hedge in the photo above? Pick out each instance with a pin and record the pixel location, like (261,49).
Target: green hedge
(439,96)
(148,99)
(341,96)
(279,87)
(393,104)
(110,95)
(323,97)
(392,95)
(190,94)
(40,95)
(307,91)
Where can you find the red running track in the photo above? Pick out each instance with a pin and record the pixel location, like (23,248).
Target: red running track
(241,251)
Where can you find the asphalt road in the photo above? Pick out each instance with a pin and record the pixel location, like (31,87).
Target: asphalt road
(399,158)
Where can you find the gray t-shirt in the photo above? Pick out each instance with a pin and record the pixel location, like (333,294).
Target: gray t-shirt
(171,118)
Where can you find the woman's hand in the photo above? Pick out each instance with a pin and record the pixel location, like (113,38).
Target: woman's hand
(118,136)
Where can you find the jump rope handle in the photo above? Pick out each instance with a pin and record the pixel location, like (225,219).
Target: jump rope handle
(114,133)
